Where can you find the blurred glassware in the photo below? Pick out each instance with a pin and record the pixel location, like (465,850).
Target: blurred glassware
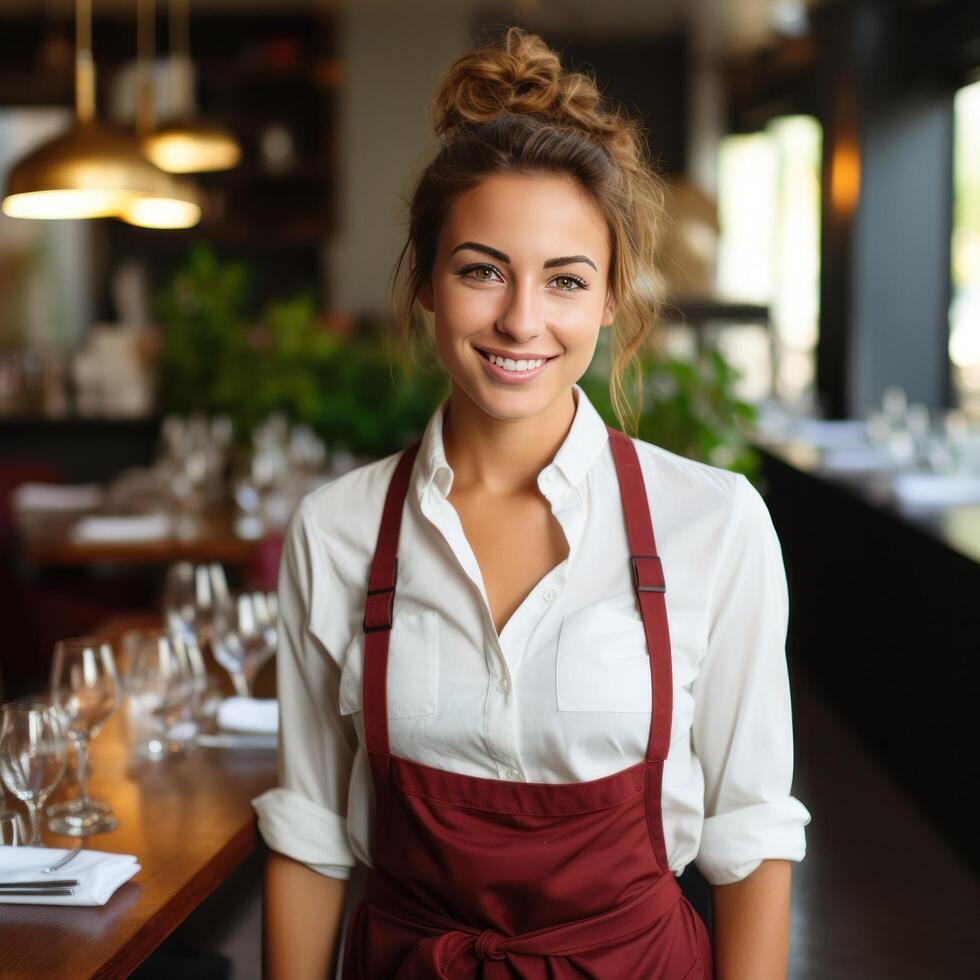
(249,522)
(159,687)
(192,460)
(245,638)
(202,705)
(85,687)
(919,426)
(894,403)
(33,755)
(285,463)
(11,829)
(193,596)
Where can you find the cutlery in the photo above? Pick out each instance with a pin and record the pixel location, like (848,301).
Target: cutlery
(61,862)
(38,891)
(61,883)
(229,740)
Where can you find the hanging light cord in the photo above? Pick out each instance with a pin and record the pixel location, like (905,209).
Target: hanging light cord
(180,28)
(84,65)
(145,44)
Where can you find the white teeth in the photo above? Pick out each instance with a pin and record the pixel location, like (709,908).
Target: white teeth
(509,364)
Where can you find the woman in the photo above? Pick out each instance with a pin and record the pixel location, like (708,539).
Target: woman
(531,667)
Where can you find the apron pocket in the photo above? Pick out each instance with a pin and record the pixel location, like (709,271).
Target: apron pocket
(413,668)
(602,662)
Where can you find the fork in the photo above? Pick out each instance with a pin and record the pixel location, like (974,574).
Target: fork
(62,861)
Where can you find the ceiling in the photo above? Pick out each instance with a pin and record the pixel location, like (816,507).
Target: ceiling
(734,24)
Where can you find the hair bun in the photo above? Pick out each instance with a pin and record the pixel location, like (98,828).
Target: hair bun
(521,76)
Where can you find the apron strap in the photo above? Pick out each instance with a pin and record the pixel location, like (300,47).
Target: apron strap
(379,608)
(650,589)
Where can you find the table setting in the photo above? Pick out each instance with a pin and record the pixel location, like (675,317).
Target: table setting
(171,690)
(56,876)
(899,452)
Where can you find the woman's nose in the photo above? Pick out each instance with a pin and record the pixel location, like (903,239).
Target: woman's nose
(521,316)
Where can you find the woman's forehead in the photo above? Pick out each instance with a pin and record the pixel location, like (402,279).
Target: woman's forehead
(527,217)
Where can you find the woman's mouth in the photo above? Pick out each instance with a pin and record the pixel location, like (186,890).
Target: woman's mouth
(511,370)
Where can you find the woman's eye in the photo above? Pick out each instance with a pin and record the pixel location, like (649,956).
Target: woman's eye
(473,272)
(575,283)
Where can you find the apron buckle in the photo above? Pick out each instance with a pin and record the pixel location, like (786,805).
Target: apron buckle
(654,581)
(379,607)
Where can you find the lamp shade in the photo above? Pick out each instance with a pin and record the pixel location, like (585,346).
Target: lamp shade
(192,146)
(90,171)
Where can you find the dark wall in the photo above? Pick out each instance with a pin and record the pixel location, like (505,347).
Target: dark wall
(651,76)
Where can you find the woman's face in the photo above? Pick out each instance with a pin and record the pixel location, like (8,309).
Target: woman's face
(520,272)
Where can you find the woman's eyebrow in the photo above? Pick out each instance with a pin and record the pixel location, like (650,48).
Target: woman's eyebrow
(501,257)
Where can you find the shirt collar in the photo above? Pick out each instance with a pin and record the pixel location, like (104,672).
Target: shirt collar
(586,438)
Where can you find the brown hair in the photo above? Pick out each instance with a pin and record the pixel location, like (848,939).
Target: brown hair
(511,107)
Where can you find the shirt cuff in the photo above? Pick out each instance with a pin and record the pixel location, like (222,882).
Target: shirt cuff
(296,827)
(734,844)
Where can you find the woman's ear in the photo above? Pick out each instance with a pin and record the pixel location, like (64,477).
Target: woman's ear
(425,296)
(609,311)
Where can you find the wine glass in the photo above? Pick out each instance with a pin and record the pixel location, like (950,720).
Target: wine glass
(193,596)
(85,686)
(33,755)
(11,828)
(158,685)
(205,692)
(245,638)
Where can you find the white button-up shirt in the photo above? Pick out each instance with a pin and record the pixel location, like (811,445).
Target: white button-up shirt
(563,693)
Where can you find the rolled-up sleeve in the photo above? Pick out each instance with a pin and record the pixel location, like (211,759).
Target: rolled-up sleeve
(304,817)
(742,729)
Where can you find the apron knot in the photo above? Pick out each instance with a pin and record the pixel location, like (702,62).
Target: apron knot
(486,945)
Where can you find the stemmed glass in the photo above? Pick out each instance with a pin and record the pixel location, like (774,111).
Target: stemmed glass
(205,693)
(11,828)
(193,596)
(84,685)
(33,755)
(245,637)
(159,685)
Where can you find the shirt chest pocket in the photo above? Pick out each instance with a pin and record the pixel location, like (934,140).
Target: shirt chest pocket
(602,662)
(413,668)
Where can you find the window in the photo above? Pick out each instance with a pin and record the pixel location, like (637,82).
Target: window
(769,253)
(964,310)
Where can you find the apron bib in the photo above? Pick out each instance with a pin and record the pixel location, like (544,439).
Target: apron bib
(484,878)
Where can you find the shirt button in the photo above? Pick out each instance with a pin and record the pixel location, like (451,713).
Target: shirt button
(550,595)
(549,475)
(504,685)
(513,774)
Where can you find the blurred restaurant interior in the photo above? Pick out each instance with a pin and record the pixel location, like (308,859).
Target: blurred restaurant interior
(177,369)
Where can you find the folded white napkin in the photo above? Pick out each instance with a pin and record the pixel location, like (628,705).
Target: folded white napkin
(935,489)
(832,433)
(99,874)
(123,527)
(869,459)
(57,496)
(256,715)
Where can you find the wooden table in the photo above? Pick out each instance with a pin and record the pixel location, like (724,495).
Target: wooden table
(188,821)
(46,543)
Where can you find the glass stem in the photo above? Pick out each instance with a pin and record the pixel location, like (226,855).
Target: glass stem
(81,767)
(241,685)
(33,811)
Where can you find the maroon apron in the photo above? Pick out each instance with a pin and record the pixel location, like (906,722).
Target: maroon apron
(475,877)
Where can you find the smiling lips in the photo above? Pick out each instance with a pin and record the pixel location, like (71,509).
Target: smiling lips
(514,370)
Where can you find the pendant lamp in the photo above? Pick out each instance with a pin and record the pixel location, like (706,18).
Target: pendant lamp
(189,143)
(154,210)
(92,170)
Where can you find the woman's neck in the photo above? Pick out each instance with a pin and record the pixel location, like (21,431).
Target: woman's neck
(502,456)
